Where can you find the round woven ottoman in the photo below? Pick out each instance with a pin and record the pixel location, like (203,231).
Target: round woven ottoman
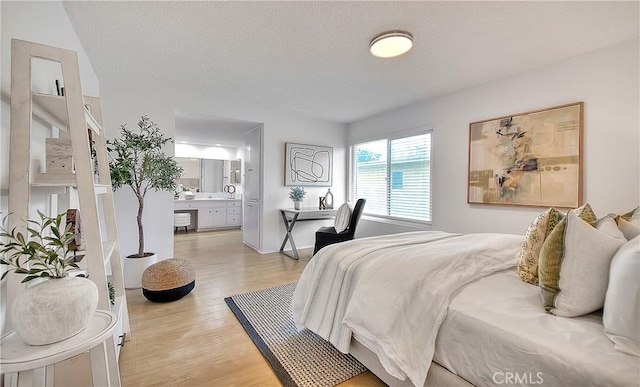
(168,280)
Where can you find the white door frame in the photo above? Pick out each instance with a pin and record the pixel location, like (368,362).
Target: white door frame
(260,129)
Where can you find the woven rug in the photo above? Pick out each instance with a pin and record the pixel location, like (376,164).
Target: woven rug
(298,358)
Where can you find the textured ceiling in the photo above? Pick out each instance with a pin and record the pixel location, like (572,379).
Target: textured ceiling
(312,58)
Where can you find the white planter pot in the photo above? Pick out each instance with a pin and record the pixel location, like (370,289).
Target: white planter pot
(133,269)
(296,204)
(54,310)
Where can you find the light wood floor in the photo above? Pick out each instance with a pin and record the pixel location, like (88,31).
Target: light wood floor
(197,341)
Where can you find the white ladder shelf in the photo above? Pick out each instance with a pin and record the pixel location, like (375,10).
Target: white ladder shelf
(96,205)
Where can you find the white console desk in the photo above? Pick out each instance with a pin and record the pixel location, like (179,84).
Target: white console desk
(291,216)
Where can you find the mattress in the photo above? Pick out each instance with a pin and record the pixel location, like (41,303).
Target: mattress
(375,291)
(497,333)
(438,376)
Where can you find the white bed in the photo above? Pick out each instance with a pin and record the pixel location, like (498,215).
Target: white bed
(404,300)
(496,325)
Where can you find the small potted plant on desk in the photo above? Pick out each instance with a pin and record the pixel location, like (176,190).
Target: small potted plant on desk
(297,194)
(59,305)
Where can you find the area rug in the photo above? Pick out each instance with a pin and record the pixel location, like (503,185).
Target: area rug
(298,358)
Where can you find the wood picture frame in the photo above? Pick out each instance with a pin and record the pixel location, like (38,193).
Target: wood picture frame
(308,165)
(529,159)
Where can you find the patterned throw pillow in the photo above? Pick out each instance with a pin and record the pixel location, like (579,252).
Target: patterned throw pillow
(343,217)
(632,216)
(574,263)
(532,244)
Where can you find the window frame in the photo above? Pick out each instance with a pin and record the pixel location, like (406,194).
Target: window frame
(390,137)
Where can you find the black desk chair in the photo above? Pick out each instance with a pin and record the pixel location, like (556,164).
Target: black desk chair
(327,235)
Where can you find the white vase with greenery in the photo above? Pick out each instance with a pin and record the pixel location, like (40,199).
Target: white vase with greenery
(59,306)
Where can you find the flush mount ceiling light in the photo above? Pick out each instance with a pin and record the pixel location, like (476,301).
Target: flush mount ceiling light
(390,44)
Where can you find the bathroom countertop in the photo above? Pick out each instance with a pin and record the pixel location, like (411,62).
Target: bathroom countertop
(203,199)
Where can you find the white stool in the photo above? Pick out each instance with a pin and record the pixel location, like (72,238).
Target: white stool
(181,219)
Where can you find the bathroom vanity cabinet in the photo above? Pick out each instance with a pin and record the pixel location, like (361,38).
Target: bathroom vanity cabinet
(210,214)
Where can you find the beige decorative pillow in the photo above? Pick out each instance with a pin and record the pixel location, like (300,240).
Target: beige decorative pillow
(553,248)
(629,229)
(629,223)
(343,217)
(621,315)
(574,272)
(532,244)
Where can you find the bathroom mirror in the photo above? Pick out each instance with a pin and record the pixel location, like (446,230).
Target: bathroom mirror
(209,175)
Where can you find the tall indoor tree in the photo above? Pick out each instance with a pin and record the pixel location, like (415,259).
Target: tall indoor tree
(137,161)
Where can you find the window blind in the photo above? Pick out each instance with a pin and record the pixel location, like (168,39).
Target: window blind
(394,175)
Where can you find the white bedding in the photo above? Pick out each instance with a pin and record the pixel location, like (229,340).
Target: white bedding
(374,289)
(496,327)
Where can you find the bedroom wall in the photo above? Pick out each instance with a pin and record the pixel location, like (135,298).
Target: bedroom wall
(46,23)
(35,21)
(606,80)
(121,105)
(205,151)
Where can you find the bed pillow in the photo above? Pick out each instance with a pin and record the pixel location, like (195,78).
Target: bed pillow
(552,250)
(532,244)
(343,217)
(621,316)
(574,272)
(554,240)
(632,216)
(629,223)
(628,229)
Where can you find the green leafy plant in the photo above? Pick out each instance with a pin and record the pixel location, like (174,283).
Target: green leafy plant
(297,193)
(137,161)
(45,253)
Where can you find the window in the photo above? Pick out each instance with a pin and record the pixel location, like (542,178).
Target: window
(394,175)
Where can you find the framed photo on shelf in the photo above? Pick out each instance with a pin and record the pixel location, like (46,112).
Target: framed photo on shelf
(308,165)
(527,159)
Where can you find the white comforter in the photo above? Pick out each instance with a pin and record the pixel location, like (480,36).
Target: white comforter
(392,292)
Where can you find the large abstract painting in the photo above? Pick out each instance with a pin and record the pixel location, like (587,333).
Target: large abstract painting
(308,165)
(527,159)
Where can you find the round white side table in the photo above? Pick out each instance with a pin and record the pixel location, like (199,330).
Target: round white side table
(33,365)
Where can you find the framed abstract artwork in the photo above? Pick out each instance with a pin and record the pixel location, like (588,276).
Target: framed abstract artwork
(308,165)
(527,159)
